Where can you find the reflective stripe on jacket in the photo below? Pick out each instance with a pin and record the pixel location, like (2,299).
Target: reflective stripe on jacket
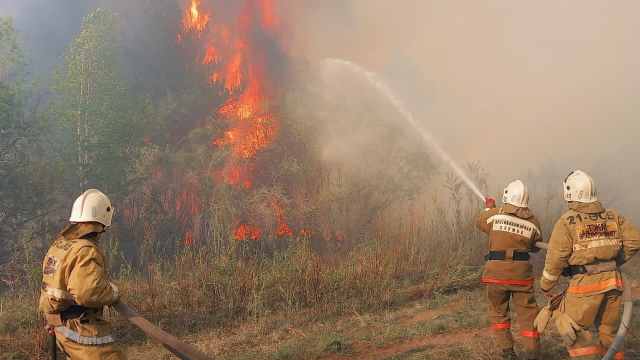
(509,229)
(589,234)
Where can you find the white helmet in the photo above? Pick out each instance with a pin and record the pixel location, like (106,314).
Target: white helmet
(92,205)
(579,187)
(516,194)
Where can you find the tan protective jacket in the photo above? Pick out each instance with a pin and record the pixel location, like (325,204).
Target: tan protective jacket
(589,234)
(74,274)
(510,229)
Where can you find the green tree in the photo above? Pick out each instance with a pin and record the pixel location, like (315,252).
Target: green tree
(24,195)
(11,57)
(95,117)
(13,130)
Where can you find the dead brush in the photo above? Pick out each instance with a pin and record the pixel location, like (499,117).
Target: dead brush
(220,282)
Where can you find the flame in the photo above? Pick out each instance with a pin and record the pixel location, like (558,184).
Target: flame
(237,67)
(211,56)
(283,229)
(233,73)
(193,20)
(194,10)
(188,238)
(269,18)
(247,232)
(235,174)
(237,64)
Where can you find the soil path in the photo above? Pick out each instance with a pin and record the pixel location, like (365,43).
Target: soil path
(367,351)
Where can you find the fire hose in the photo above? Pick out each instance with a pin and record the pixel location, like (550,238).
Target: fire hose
(180,349)
(627,299)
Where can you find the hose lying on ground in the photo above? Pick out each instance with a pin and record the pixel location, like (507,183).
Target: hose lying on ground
(627,299)
(178,348)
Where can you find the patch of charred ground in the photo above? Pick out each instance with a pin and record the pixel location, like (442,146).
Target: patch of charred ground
(441,325)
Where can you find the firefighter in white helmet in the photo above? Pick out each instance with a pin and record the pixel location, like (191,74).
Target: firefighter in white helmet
(513,231)
(588,244)
(75,284)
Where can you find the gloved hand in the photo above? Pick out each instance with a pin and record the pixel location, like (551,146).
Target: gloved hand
(567,327)
(542,319)
(489,203)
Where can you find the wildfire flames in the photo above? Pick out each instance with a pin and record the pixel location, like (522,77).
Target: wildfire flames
(193,20)
(237,68)
(246,232)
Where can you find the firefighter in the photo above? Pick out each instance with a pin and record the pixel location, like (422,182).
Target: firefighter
(75,284)
(588,244)
(513,230)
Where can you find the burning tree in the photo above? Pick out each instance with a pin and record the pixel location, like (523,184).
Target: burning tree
(220,179)
(250,167)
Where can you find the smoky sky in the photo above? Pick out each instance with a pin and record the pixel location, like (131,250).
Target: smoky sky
(531,89)
(45,28)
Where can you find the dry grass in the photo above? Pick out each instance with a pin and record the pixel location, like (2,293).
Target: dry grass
(409,290)
(198,291)
(298,305)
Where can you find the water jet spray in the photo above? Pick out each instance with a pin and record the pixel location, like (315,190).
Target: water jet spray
(375,81)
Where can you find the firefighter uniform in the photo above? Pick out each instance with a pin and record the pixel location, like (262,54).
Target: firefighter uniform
(513,232)
(588,243)
(75,289)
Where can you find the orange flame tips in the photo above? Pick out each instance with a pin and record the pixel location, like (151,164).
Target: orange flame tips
(247,232)
(188,238)
(214,78)
(238,68)
(194,10)
(193,20)
(238,65)
(211,56)
(235,174)
(269,18)
(284,230)
(233,74)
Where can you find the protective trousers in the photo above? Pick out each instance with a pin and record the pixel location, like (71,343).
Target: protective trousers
(599,312)
(84,339)
(501,299)
(75,351)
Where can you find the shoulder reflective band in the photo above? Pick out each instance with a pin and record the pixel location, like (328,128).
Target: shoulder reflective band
(84,340)
(596,244)
(596,287)
(586,351)
(56,293)
(513,224)
(546,275)
(530,334)
(501,326)
(493,281)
